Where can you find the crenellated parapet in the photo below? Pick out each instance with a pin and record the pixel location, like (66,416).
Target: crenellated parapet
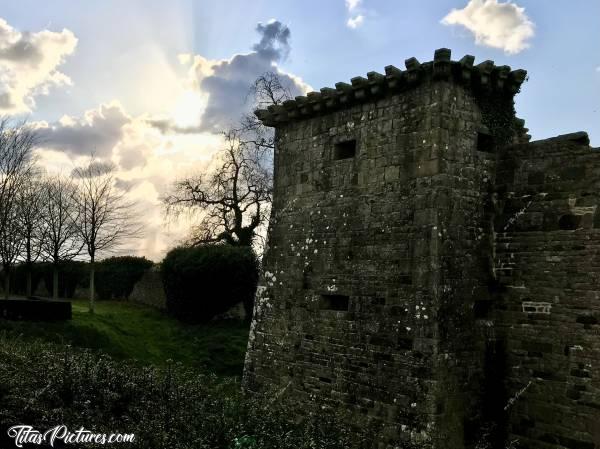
(485,77)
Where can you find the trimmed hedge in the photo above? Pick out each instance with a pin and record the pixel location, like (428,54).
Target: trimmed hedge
(116,276)
(204,281)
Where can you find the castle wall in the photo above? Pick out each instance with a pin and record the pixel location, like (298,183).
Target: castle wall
(396,231)
(548,263)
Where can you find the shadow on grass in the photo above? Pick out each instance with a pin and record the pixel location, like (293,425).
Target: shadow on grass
(131,331)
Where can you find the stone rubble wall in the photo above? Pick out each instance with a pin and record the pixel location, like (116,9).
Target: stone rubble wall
(398,230)
(548,263)
(149,290)
(443,282)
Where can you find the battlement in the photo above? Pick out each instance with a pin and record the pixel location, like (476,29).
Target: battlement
(481,78)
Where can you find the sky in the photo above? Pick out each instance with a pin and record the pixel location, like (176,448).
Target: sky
(149,84)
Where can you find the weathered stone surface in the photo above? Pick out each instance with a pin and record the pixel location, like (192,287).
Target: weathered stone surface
(149,290)
(426,263)
(557,261)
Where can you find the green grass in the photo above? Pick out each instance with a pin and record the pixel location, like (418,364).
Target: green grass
(131,331)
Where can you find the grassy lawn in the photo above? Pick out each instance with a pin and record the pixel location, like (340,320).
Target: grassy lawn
(131,331)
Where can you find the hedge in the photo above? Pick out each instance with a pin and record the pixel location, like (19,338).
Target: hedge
(71,275)
(116,276)
(204,281)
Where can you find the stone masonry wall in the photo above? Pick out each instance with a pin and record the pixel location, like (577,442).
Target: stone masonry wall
(398,232)
(548,265)
(149,290)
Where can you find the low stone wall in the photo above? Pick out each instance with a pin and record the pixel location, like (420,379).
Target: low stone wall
(149,290)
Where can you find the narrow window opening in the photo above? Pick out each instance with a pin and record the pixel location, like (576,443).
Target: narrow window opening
(345,150)
(335,302)
(569,222)
(482,309)
(485,142)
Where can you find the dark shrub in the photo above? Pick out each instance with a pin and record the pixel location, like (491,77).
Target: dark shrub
(40,310)
(116,276)
(176,408)
(204,281)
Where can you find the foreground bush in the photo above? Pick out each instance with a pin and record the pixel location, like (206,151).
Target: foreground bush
(204,281)
(44,386)
(116,276)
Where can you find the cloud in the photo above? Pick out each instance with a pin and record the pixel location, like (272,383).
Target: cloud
(274,43)
(147,162)
(598,69)
(98,131)
(352,4)
(356,19)
(355,22)
(29,64)
(227,82)
(494,24)
(151,151)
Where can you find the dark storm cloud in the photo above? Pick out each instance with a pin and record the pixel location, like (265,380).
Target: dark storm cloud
(274,42)
(229,84)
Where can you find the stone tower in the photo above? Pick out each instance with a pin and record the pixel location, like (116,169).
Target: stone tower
(388,290)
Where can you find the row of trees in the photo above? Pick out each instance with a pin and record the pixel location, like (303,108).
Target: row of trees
(58,218)
(55,217)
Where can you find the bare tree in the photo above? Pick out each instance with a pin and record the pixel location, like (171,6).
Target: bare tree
(31,206)
(10,247)
(62,240)
(268,89)
(105,215)
(17,141)
(233,200)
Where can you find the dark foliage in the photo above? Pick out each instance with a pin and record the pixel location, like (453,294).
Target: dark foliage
(35,310)
(116,276)
(71,275)
(204,281)
(43,385)
(18,281)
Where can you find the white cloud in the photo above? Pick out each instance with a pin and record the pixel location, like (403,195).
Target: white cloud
(356,13)
(355,22)
(29,64)
(495,24)
(352,4)
(598,69)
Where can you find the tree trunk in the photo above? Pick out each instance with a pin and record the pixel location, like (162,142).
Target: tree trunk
(92,286)
(6,284)
(29,282)
(55,282)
